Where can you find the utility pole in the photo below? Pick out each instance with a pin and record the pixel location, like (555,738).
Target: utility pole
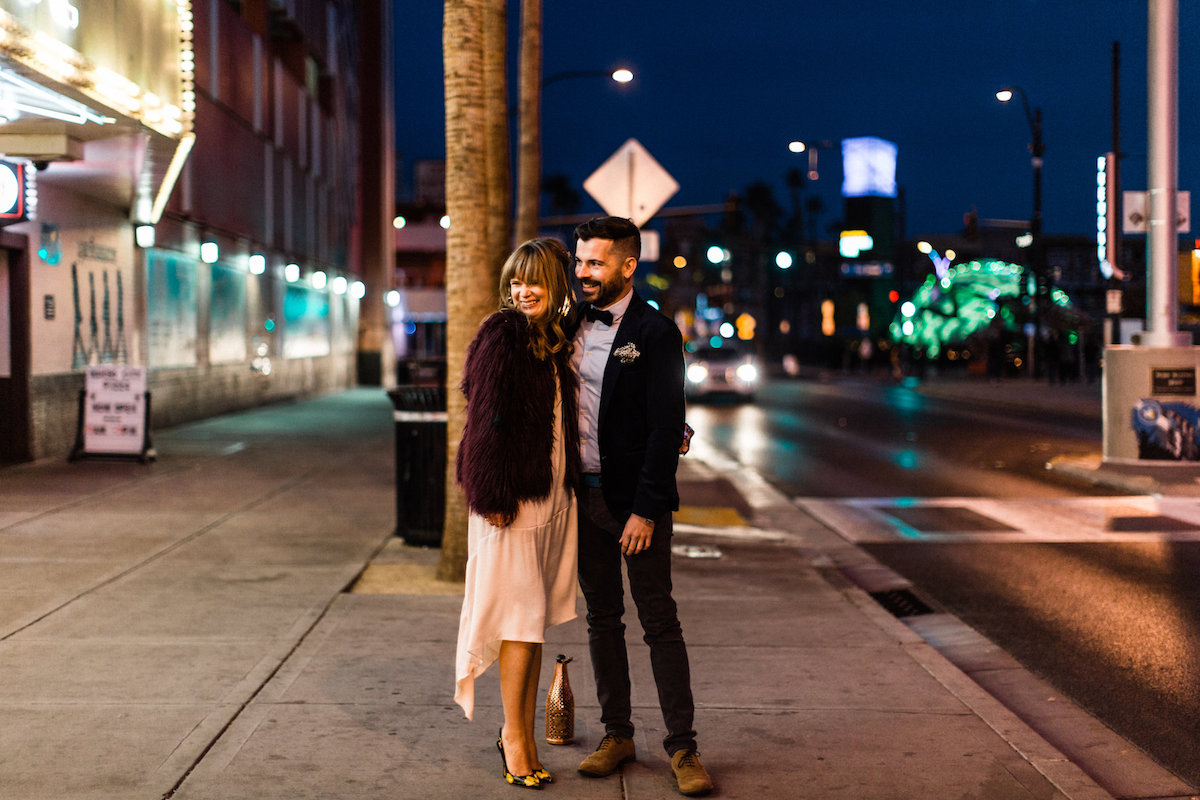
(1162,236)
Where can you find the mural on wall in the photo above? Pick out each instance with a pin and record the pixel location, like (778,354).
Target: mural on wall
(227,315)
(112,348)
(1166,431)
(171,317)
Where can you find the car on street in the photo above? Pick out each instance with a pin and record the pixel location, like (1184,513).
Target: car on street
(714,371)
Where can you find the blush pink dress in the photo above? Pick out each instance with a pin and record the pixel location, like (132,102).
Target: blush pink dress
(520,579)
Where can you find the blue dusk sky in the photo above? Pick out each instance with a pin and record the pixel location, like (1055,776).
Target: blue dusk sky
(721,88)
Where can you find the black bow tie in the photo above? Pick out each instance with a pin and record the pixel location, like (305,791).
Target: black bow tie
(598,315)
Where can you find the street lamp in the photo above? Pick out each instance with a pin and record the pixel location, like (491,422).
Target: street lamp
(797,146)
(1036,251)
(618,75)
(529,145)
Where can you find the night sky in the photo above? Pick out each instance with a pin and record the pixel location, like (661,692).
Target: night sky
(721,89)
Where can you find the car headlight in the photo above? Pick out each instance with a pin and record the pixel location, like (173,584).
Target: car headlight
(747,373)
(696,373)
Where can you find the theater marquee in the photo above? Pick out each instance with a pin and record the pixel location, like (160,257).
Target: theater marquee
(132,58)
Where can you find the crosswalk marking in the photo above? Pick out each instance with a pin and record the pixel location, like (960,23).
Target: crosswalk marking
(1137,518)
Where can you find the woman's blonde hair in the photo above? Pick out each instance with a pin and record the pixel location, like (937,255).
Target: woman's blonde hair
(543,262)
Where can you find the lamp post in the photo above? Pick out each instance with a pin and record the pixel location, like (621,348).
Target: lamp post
(798,146)
(1036,149)
(529,149)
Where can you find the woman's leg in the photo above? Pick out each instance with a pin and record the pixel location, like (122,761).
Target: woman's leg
(520,664)
(531,695)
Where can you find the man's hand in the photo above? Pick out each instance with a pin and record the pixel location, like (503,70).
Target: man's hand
(637,535)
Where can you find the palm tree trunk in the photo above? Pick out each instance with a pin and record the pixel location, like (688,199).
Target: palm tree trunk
(499,175)
(477,202)
(529,116)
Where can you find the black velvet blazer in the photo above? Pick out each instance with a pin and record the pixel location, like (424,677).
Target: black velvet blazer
(641,416)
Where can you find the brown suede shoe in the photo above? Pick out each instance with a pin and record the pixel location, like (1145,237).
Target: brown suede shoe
(690,774)
(609,756)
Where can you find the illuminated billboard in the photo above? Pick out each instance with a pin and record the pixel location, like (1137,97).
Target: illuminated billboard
(868,167)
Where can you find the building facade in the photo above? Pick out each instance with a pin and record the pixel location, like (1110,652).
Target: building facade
(196,203)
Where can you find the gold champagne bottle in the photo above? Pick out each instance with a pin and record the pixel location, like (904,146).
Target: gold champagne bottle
(560,705)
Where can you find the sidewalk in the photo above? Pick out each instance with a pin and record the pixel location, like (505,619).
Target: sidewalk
(184,629)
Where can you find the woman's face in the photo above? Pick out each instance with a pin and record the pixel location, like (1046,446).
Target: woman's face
(531,299)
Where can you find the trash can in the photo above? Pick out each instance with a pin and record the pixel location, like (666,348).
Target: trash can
(420,416)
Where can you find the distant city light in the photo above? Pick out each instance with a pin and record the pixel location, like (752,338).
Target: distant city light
(391,298)
(399,222)
(257,264)
(339,285)
(717,255)
(783,259)
(964,302)
(680,262)
(445,221)
(291,273)
(622,75)
(358,290)
(852,243)
(209,252)
(318,279)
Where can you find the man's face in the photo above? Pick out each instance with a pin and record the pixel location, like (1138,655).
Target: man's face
(603,273)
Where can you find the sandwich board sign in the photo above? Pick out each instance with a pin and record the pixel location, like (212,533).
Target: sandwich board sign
(114,413)
(631,184)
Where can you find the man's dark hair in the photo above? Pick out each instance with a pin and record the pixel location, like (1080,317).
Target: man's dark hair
(621,232)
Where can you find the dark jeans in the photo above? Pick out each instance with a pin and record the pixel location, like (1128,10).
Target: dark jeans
(650,585)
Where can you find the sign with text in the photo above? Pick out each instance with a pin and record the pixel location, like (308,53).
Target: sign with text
(1173,380)
(114,409)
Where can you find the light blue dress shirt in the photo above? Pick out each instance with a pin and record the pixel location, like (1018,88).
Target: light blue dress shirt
(593,345)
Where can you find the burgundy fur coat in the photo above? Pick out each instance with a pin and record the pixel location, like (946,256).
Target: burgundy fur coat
(508,438)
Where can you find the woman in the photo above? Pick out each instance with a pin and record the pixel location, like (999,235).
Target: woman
(518,465)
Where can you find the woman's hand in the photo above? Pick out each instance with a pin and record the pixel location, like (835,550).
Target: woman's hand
(499,520)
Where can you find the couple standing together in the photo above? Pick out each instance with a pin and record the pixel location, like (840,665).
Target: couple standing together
(575,417)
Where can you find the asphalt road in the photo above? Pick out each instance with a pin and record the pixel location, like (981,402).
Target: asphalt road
(864,438)
(1114,625)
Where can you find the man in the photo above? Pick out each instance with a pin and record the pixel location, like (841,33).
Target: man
(630,364)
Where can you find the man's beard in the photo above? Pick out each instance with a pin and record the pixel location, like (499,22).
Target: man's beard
(607,293)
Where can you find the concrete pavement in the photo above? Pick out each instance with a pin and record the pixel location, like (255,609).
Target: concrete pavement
(236,620)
